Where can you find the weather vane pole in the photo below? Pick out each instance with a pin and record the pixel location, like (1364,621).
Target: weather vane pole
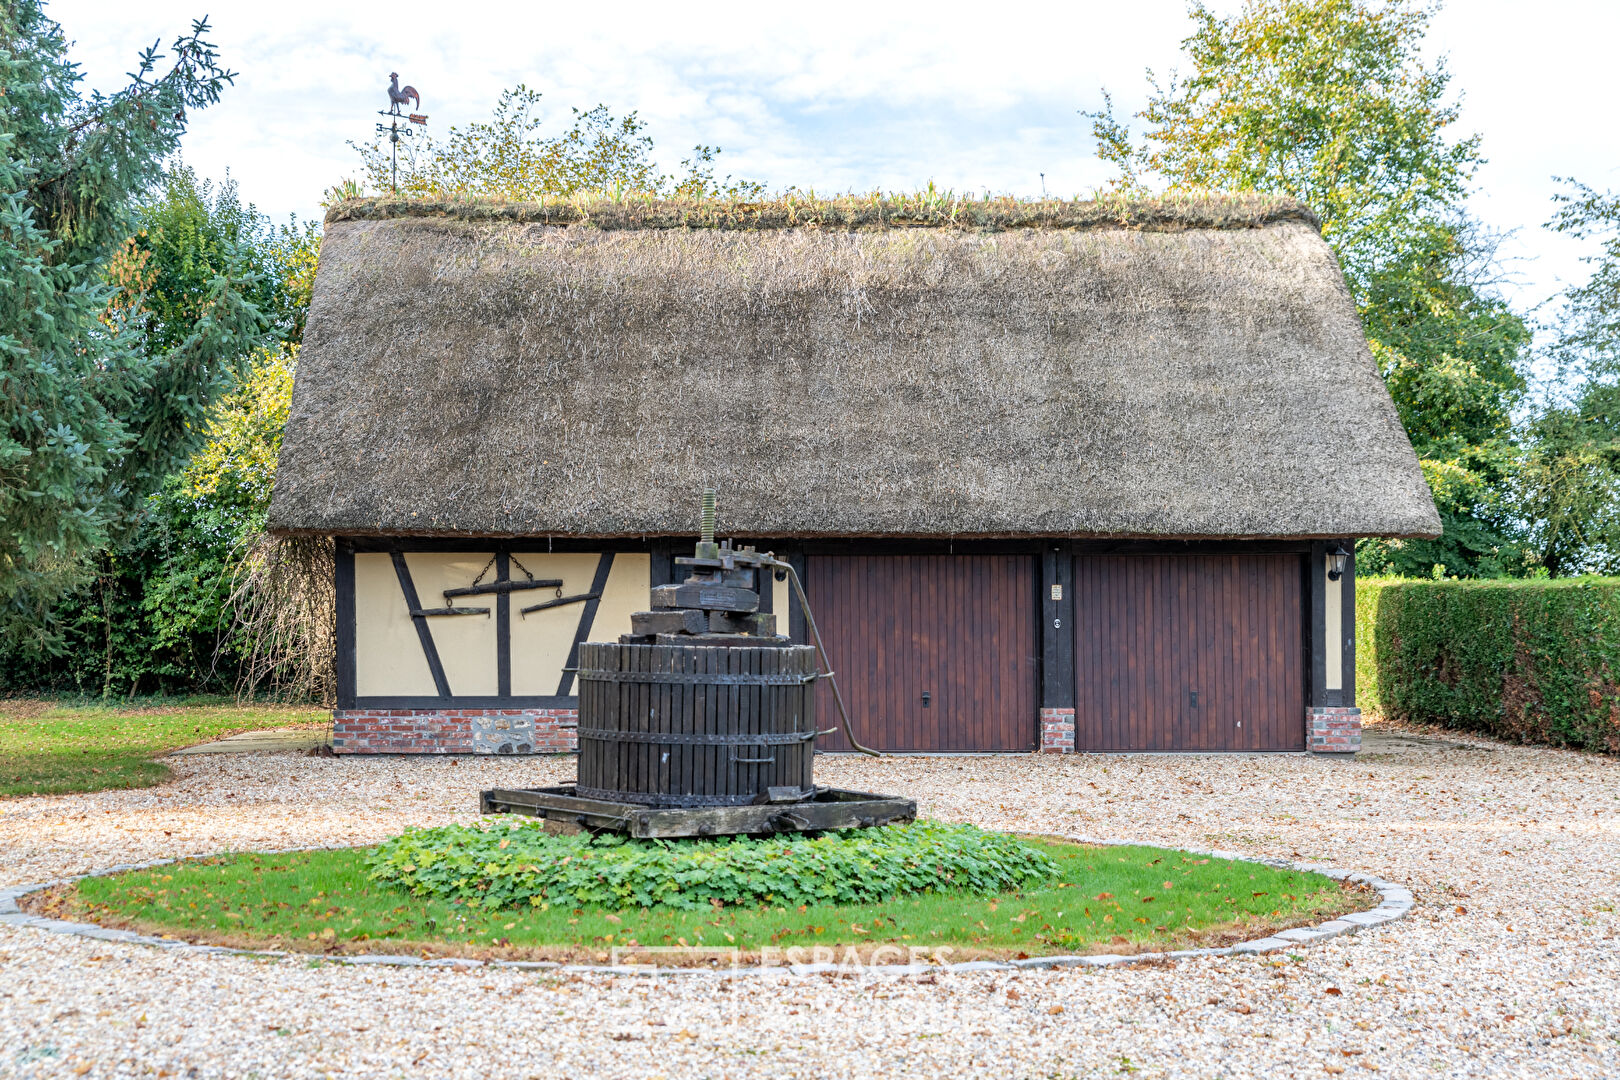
(396,98)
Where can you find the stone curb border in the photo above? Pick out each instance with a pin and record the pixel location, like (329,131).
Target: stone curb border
(1395,902)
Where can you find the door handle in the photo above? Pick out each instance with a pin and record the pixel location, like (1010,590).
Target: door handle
(927,698)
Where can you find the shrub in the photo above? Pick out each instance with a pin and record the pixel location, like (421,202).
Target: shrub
(1530,661)
(503,866)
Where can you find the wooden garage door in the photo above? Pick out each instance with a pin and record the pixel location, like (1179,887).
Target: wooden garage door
(1189,652)
(959,629)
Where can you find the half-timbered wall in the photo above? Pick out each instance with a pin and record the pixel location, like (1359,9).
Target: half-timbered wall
(502,655)
(1060,645)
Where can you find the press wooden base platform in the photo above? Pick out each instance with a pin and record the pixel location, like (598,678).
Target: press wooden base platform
(828,808)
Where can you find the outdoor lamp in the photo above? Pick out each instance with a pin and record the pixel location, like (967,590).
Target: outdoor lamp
(1337,558)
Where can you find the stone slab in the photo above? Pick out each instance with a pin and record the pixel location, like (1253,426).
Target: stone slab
(1364,918)
(278,740)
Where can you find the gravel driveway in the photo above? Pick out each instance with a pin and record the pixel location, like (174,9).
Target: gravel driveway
(1509,966)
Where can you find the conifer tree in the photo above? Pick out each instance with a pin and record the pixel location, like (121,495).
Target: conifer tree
(91,419)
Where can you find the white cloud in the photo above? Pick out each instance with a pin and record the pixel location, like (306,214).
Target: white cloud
(830,96)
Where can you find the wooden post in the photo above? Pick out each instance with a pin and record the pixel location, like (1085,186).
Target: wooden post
(1057,627)
(1316,625)
(343,554)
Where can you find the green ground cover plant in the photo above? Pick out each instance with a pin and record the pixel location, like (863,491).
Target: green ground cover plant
(524,866)
(53,748)
(1099,899)
(1529,661)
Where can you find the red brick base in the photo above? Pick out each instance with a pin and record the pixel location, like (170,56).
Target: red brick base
(1057,731)
(1333,730)
(454,731)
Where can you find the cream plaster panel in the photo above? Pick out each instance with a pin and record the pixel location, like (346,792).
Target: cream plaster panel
(388,660)
(466,643)
(628,590)
(1333,613)
(781,604)
(542,640)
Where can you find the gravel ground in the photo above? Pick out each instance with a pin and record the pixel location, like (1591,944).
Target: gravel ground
(1509,966)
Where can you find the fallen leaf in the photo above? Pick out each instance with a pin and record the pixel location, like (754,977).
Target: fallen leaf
(1335,1069)
(1054,1010)
(1013,994)
(1334,990)
(1461,910)
(613,919)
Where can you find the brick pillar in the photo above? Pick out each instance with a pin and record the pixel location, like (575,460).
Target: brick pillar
(1333,729)
(1057,731)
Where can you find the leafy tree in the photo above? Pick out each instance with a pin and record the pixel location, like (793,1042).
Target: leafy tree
(1331,101)
(1569,488)
(92,420)
(1589,344)
(157,613)
(1570,483)
(156,609)
(199,522)
(187,234)
(506,158)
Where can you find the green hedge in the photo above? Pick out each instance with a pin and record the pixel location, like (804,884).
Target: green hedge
(1529,661)
(1368,589)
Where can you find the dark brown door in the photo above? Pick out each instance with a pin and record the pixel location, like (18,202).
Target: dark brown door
(1189,652)
(933,652)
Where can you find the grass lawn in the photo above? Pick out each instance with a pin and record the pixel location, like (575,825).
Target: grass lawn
(1104,899)
(51,748)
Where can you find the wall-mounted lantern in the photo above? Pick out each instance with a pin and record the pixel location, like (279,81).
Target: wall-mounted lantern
(1337,560)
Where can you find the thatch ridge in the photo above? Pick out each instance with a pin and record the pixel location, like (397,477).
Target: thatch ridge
(1169,213)
(490,377)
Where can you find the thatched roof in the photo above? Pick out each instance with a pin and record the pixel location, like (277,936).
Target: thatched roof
(848,368)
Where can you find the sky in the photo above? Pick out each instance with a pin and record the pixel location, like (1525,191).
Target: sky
(834,96)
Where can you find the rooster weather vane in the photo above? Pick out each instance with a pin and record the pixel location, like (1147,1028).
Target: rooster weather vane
(398,96)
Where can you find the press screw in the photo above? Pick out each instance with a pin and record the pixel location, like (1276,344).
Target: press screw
(708,515)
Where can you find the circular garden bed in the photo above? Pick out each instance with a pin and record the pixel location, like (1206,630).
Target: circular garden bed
(513,891)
